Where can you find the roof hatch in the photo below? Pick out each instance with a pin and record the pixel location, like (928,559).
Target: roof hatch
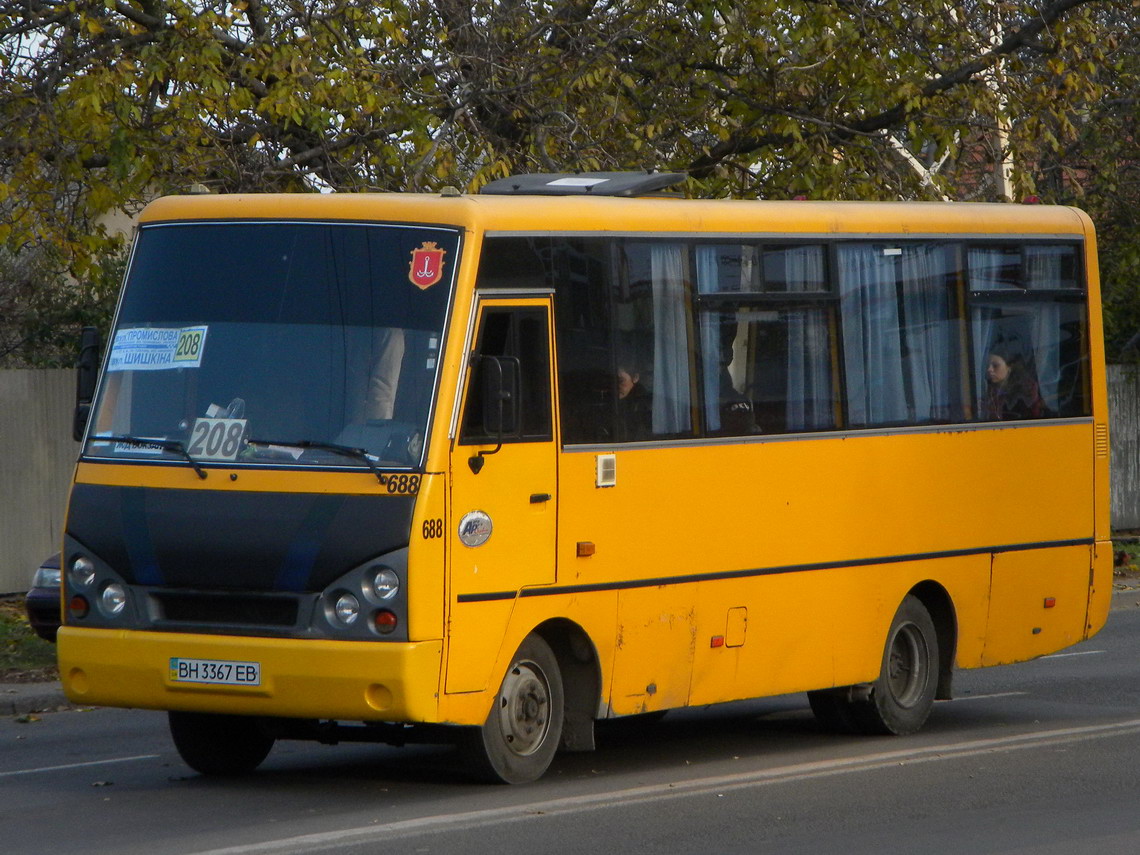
(583,184)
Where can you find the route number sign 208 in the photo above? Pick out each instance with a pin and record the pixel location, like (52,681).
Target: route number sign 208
(216,439)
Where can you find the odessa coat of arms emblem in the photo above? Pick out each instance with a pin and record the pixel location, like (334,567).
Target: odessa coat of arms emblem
(427,265)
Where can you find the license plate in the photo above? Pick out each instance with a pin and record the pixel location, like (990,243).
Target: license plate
(215,671)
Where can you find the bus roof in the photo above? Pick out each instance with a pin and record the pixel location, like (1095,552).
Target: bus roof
(593,215)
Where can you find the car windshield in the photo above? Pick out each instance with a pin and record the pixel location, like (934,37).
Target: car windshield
(304,344)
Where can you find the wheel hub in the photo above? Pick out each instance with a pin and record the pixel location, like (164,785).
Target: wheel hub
(906,675)
(524,708)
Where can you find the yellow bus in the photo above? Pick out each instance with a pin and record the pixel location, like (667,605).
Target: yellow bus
(494,467)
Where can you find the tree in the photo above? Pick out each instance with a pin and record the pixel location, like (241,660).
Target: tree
(115,101)
(42,310)
(1095,164)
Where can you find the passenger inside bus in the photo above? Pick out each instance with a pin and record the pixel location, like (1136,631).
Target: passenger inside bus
(736,417)
(634,404)
(1012,391)
(384,356)
(384,378)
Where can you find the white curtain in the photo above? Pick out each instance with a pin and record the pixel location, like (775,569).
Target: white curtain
(671,392)
(871,335)
(1043,266)
(809,404)
(708,277)
(931,338)
(984,320)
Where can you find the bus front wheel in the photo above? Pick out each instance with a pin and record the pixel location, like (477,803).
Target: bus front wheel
(522,732)
(900,700)
(219,744)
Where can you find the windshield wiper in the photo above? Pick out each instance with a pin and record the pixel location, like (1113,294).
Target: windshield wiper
(344,450)
(165,444)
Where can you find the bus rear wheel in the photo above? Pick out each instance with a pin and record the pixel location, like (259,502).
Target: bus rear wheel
(521,735)
(901,699)
(220,745)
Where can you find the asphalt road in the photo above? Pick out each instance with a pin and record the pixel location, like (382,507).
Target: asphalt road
(1041,757)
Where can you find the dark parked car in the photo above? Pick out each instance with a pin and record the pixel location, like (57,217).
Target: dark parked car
(42,602)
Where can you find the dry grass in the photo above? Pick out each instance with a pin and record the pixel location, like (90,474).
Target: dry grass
(24,656)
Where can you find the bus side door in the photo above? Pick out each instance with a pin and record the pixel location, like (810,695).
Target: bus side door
(503,483)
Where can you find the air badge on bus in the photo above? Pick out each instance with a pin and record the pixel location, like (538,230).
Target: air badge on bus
(474,528)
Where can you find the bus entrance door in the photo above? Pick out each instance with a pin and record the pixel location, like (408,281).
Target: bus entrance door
(503,484)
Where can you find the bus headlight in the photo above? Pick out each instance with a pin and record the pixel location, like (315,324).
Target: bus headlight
(385,584)
(367,603)
(347,609)
(113,600)
(82,572)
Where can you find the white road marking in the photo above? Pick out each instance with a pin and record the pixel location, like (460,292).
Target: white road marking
(335,840)
(985,697)
(79,765)
(1077,653)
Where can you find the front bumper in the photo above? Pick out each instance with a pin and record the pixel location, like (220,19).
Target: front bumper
(300,678)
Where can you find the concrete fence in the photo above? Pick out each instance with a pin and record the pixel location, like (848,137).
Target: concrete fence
(1124,448)
(37,456)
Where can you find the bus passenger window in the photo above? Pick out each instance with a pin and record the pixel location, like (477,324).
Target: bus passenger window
(768,370)
(1032,318)
(586,381)
(767,325)
(901,333)
(652,315)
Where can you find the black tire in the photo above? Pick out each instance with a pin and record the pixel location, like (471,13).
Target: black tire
(223,745)
(903,696)
(900,700)
(521,735)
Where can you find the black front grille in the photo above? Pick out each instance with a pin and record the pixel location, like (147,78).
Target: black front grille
(230,609)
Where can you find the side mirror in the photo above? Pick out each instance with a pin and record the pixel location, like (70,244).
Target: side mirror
(87,372)
(499,388)
(500,396)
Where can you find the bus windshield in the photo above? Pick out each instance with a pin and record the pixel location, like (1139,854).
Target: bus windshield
(297,344)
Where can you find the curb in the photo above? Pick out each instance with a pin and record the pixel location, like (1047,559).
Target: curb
(1125,597)
(25,698)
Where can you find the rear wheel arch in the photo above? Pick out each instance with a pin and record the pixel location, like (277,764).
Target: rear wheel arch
(940,606)
(916,667)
